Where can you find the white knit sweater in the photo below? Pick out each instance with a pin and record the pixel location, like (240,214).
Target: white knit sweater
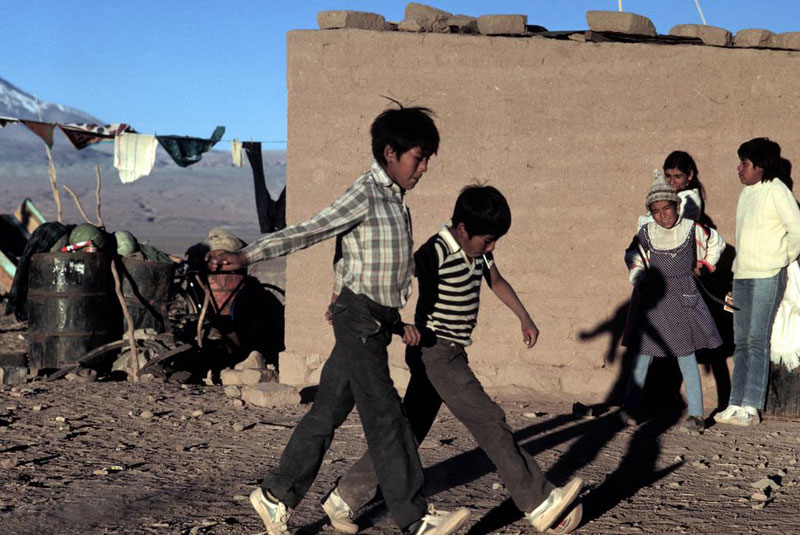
(767,230)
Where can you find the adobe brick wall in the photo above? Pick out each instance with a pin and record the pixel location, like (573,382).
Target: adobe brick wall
(569,131)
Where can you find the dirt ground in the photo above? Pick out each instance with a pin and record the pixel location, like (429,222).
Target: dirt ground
(118,457)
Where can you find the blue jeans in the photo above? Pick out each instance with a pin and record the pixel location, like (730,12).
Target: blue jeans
(757,301)
(691,379)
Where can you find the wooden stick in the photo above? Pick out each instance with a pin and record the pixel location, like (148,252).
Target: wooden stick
(51,168)
(97,195)
(134,365)
(203,311)
(78,203)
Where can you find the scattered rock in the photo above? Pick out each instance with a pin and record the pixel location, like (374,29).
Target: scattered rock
(146,414)
(498,486)
(270,395)
(254,361)
(232,391)
(197,413)
(37,408)
(620,22)
(238,426)
(759,497)
(765,484)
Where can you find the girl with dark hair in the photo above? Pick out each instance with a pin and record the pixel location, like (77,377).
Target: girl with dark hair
(681,174)
(767,241)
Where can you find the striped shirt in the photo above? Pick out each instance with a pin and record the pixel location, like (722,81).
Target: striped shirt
(449,287)
(373,248)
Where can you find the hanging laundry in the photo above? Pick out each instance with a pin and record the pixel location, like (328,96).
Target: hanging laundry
(7,120)
(271,214)
(187,150)
(236,152)
(134,155)
(43,130)
(82,135)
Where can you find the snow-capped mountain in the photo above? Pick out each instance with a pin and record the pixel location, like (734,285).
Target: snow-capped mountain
(15,102)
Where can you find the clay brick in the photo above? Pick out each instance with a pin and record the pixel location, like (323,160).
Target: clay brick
(251,376)
(502,24)
(710,35)
(422,18)
(464,23)
(296,369)
(620,22)
(270,395)
(328,20)
(410,25)
(230,377)
(790,40)
(755,37)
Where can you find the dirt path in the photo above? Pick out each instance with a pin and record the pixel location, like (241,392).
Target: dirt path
(114,457)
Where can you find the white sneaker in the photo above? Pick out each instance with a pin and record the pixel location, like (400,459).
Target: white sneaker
(545,515)
(726,416)
(568,522)
(438,522)
(273,513)
(339,513)
(746,416)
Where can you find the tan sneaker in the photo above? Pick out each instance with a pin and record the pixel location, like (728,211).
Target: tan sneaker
(339,513)
(438,522)
(273,513)
(546,514)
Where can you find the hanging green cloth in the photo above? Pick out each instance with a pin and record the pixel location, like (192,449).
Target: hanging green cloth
(187,150)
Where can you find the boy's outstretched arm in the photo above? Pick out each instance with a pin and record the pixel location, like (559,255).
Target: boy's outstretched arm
(504,291)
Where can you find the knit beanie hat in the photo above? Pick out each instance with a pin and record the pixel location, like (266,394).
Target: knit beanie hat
(660,191)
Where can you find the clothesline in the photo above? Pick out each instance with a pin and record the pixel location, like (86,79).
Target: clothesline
(135,153)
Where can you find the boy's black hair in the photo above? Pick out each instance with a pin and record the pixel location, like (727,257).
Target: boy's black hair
(763,153)
(403,129)
(483,210)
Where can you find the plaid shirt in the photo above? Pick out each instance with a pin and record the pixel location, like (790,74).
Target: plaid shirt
(374,248)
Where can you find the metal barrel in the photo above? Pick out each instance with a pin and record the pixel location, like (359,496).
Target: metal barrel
(71,307)
(146,289)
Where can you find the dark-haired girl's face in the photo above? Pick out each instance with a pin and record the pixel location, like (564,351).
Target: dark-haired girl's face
(749,174)
(677,179)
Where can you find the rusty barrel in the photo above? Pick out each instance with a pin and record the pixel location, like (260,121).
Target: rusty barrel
(146,289)
(224,286)
(71,307)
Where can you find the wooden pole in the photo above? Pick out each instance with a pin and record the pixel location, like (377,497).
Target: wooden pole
(51,169)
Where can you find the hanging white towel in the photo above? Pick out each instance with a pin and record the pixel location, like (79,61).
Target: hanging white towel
(134,155)
(785,342)
(236,153)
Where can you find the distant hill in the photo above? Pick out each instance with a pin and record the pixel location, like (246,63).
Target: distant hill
(172,205)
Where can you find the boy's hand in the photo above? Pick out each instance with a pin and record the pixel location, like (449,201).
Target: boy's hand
(530,334)
(411,336)
(219,260)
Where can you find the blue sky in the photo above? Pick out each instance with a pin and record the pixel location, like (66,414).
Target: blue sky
(182,67)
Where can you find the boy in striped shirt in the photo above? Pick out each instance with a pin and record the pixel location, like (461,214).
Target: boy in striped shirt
(449,268)
(372,280)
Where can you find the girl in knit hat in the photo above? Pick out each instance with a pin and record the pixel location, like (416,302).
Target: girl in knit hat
(680,172)
(667,317)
